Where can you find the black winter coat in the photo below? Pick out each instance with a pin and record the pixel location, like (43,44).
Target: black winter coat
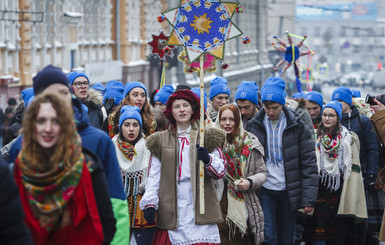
(95,114)
(301,173)
(368,141)
(12,227)
(13,130)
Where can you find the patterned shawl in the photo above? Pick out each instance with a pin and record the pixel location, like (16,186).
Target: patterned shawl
(334,158)
(236,155)
(50,192)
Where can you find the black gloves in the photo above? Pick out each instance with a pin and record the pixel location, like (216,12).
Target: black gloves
(109,105)
(203,154)
(149,215)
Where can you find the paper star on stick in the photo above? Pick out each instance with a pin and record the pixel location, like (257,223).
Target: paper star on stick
(159,46)
(202,26)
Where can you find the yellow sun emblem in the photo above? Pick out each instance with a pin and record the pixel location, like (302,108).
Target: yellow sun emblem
(201,23)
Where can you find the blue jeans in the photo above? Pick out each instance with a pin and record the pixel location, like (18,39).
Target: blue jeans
(279,218)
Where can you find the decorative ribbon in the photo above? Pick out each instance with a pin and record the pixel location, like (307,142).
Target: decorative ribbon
(183,142)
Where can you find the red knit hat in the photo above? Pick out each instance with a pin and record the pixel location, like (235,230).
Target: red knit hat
(186,95)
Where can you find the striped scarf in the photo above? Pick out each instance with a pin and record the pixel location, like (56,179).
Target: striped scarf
(274,139)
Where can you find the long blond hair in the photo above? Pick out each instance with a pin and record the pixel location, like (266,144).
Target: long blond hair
(36,156)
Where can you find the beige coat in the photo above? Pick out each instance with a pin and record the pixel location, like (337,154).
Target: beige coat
(353,202)
(164,145)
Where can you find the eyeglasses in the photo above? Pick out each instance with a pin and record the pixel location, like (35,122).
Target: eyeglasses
(81,84)
(330,116)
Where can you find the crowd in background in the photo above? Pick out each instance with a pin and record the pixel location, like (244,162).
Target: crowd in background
(117,164)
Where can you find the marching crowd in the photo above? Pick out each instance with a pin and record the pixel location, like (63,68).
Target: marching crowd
(118,164)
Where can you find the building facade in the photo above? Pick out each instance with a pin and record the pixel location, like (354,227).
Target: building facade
(108,40)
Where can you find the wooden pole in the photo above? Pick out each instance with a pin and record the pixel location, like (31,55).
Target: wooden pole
(201,140)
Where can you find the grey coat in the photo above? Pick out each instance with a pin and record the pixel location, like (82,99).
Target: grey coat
(301,174)
(256,171)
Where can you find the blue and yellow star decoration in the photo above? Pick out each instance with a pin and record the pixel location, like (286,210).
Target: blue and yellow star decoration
(202,26)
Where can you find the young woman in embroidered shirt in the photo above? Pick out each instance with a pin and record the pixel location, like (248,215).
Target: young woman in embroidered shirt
(246,172)
(340,182)
(135,94)
(133,157)
(63,190)
(173,183)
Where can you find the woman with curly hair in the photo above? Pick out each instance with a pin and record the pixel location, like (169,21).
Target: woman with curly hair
(135,94)
(56,179)
(173,183)
(245,173)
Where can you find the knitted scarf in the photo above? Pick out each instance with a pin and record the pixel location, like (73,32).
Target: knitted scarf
(333,158)
(274,139)
(236,155)
(50,192)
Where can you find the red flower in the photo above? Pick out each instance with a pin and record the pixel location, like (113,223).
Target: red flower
(109,127)
(239,172)
(67,194)
(245,151)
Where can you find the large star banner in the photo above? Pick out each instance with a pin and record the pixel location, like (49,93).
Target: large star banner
(202,26)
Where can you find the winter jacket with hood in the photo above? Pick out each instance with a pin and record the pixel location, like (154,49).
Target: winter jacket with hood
(99,143)
(368,141)
(301,174)
(96,112)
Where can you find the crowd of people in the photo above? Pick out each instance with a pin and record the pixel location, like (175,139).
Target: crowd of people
(118,164)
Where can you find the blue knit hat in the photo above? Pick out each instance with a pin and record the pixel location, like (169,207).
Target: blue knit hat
(197,91)
(130,85)
(128,112)
(336,105)
(27,94)
(99,87)
(218,86)
(344,94)
(298,95)
(316,97)
(274,90)
(356,93)
(114,89)
(48,76)
(164,93)
(247,90)
(29,101)
(73,75)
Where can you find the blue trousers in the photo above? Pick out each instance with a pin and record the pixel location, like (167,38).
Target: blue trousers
(279,218)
